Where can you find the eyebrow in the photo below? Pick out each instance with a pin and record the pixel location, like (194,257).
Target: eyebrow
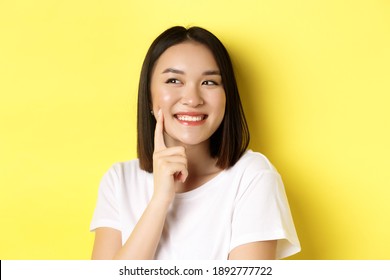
(173,70)
(212,72)
(205,73)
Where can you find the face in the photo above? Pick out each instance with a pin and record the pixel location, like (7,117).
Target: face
(186,84)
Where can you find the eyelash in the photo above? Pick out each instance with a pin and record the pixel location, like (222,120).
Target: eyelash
(207,83)
(172,81)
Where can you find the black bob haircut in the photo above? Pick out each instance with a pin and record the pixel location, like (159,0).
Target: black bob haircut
(231,139)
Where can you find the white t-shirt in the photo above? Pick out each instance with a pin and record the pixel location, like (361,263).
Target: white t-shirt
(243,204)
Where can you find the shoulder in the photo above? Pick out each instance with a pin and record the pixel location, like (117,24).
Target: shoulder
(121,172)
(252,170)
(131,165)
(254,162)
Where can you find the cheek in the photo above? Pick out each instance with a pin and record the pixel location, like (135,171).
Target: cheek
(162,98)
(219,102)
(165,97)
(220,107)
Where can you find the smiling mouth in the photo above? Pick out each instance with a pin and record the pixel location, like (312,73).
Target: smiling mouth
(187,118)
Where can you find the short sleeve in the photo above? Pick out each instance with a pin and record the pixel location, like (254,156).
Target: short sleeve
(106,213)
(262,213)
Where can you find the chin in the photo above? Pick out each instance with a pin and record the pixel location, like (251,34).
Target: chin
(190,141)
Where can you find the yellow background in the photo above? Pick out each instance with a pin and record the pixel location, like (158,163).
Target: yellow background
(314,79)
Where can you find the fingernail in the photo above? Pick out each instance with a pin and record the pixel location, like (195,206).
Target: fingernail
(159,113)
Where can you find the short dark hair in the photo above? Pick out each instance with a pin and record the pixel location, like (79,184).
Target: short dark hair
(231,139)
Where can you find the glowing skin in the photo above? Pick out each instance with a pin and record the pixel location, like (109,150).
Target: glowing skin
(186,84)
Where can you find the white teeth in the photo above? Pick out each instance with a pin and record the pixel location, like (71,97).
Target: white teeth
(190,118)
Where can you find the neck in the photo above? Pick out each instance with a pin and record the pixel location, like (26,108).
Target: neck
(199,160)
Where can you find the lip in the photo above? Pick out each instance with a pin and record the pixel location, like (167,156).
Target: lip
(188,118)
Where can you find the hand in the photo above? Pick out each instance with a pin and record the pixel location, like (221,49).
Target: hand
(169,164)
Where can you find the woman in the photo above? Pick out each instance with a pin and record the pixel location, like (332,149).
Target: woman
(194,192)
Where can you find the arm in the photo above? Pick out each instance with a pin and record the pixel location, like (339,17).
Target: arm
(143,241)
(260,250)
(107,243)
(169,165)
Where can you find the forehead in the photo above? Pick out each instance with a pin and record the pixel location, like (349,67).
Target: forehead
(187,56)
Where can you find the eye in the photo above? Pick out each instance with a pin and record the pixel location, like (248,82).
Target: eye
(209,83)
(172,81)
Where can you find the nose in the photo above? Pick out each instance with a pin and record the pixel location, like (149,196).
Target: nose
(192,96)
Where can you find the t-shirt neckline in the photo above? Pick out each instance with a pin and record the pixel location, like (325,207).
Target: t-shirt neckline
(202,188)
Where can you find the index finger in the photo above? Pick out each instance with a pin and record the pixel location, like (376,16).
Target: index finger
(159,143)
